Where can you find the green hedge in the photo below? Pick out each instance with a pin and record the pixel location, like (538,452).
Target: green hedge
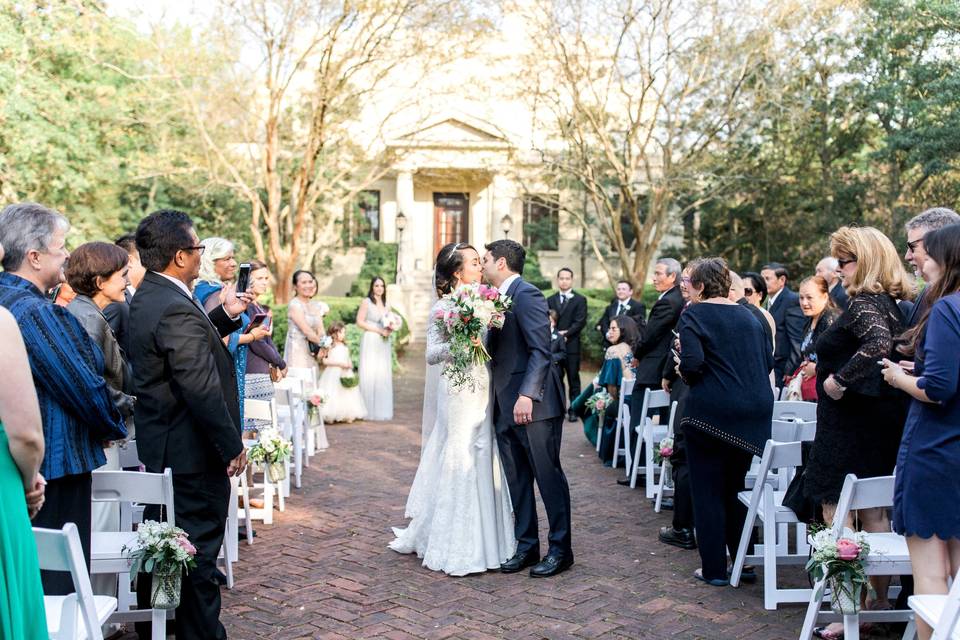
(380,260)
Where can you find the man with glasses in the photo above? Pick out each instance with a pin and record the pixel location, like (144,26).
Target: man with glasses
(188,411)
(917,227)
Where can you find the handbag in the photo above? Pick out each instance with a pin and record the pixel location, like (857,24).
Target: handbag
(275,375)
(800,388)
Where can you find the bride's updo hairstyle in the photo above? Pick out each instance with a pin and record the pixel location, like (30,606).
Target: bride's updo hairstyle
(449,261)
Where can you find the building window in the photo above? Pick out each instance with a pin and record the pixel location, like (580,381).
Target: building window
(362,220)
(541,222)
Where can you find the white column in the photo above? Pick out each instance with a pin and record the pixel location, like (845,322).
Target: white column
(405,205)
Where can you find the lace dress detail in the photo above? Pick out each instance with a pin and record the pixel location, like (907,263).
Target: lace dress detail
(459,502)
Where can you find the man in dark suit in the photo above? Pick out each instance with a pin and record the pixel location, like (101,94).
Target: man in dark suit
(571,308)
(187,412)
(118,313)
(784,305)
(528,415)
(622,304)
(654,347)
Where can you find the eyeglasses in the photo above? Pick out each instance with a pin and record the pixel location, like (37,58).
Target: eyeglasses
(845,262)
(198,248)
(747,291)
(685,279)
(913,245)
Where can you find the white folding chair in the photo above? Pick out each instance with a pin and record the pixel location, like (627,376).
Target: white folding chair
(265,410)
(941,613)
(663,488)
(312,429)
(80,615)
(765,503)
(888,556)
(286,415)
(107,555)
(795,410)
(649,433)
(623,425)
(129,456)
(296,426)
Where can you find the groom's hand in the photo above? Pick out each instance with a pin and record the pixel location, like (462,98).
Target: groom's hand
(523,410)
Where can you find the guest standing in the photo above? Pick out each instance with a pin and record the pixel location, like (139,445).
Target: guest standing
(755,292)
(263,361)
(571,308)
(187,412)
(817,305)
(827,269)
(78,413)
(622,304)
(97,271)
(376,353)
(859,418)
(726,360)
(305,324)
(21,451)
(118,313)
(916,228)
(929,452)
(784,306)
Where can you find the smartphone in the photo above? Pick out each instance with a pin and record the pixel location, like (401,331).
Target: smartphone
(243,277)
(259,319)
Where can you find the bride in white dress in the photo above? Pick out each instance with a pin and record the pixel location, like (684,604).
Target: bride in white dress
(462,520)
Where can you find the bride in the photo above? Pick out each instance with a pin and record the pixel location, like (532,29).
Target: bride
(459,503)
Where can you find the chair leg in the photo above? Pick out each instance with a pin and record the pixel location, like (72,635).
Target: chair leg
(910,632)
(247,516)
(769,558)
(745,534)
(636,463)
(660,486)
(616,440)
(627,457)
(227,560)
(298,455)
(158,624)
(813,610)
(851,627)
(648,459)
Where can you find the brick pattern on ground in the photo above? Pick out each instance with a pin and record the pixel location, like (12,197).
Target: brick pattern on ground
(323,569)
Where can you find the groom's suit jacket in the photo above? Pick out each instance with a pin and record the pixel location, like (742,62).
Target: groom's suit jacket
(522,357)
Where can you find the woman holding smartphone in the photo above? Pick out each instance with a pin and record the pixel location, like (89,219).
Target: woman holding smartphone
(264,364)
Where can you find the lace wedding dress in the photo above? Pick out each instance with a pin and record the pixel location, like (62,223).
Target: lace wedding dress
(459,503)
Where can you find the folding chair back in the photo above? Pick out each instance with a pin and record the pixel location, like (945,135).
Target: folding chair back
(623,424)
(60,550)
(127,487)
(128,454)
(866,493)
(795,410)
(265,410)
(307,374)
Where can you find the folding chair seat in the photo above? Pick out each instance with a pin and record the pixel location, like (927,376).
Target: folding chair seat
(941,613)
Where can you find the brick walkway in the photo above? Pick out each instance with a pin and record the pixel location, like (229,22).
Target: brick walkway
(324,571)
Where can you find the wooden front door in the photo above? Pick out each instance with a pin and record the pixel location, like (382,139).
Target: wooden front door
(451,219)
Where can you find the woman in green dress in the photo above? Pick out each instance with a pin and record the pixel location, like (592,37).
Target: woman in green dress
(21,485)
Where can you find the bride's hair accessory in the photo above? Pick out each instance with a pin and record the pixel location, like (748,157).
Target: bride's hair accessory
(449,261)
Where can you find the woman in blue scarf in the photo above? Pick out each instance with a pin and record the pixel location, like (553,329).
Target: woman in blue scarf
(218,267)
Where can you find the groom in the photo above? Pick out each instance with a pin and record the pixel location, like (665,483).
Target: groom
(528,415)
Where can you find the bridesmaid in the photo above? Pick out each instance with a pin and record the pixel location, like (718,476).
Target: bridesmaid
(21,450)
(376,353)
(305,323)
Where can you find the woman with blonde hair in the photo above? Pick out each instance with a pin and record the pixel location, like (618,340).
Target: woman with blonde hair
(859,418)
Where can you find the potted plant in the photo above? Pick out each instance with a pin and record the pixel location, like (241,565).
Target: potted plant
(273,450)
(164,551)
(839,561)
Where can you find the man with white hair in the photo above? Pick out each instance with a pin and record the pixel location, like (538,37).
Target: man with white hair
(78,413)
(827,269)
(917,227)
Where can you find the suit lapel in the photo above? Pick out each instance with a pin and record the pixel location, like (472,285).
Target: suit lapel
(161,281)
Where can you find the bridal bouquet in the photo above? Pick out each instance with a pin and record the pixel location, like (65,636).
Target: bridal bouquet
(464,315)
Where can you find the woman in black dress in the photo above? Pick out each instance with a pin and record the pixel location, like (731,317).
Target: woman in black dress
(726,358)
(859,418)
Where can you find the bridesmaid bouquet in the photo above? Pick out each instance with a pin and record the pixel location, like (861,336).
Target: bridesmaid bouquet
(464,316)
(392,321)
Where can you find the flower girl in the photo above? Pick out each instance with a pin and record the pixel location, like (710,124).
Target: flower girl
(338,382)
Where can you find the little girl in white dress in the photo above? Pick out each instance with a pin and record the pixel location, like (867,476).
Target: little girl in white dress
(341,404)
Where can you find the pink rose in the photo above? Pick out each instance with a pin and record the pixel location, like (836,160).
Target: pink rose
(847,549)
(316,399)
(189,548)
(666,452)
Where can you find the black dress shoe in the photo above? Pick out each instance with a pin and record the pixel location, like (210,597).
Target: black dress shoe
(625,482)
(682,538)
(551,566)
(520,561)
(572,417)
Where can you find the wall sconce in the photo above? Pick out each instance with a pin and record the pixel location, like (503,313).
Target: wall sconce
(506,223)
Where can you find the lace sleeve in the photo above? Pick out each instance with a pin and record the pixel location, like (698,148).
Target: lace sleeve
(870,325)
(438,347)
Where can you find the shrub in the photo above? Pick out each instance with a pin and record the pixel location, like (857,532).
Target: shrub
(380,260)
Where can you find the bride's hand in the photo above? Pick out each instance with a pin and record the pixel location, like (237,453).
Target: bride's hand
(475,341)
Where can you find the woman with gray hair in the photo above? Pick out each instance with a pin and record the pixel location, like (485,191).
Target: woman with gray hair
(218,266)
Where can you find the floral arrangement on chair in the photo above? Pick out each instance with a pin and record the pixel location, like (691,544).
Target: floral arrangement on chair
(663,451)
(164,551)
(316,400)
(840,562)
(273,450)
(598,402)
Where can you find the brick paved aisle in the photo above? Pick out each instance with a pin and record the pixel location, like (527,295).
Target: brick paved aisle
(323,569)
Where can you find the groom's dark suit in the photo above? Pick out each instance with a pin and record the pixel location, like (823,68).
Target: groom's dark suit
(522,366)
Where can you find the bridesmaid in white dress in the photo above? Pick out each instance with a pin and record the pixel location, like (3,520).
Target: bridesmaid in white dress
(376,353)
(305,322)
(459,503)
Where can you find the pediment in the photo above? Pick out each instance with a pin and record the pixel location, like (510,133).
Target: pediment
(454,131)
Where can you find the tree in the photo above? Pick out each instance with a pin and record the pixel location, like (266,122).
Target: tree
(640,93)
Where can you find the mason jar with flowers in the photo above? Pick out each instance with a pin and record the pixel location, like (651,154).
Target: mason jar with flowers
(165,552)
(273,450)
(839,561)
